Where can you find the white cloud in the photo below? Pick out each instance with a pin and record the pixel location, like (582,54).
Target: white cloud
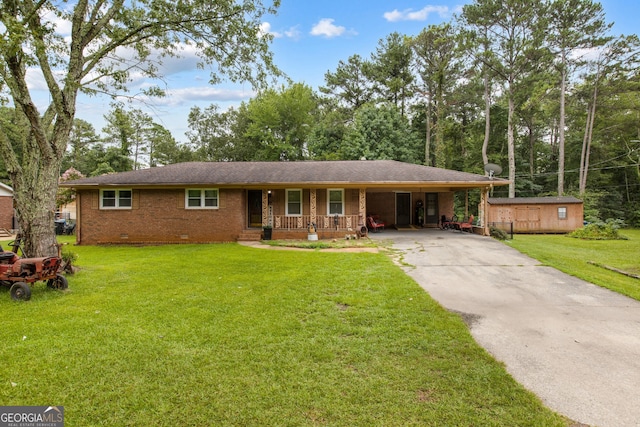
(291,33)
(211,94)
(326,28)
(418,15)
(265,28)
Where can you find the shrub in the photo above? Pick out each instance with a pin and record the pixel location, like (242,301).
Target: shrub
(600,231)
(498,233)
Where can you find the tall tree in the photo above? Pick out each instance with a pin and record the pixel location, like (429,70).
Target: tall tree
(390,69)
(381,132)
(438,65)
(107,41)
(280,121)
(349,84)
(574,26)
(514,37)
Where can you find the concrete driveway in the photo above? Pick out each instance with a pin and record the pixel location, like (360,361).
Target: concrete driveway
(573,344)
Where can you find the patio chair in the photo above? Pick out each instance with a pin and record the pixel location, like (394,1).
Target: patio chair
(466,225)
(446,224)
(374,224)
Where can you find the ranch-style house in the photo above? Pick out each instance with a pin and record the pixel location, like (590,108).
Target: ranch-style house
(230,201)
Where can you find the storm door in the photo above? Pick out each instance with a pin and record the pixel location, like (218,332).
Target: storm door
(431,209)
(403,209)
(254,204)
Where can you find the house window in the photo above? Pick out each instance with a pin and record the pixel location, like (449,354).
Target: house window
(294,202)
(115,199)
(562,213)
(202,198)
(335,200)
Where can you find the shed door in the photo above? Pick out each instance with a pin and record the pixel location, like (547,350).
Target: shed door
(403,209)
(527,219)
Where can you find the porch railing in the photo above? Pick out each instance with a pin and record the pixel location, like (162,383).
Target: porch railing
(323,222)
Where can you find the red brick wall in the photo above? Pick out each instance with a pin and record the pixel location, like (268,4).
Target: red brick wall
(159,216)
(6,212)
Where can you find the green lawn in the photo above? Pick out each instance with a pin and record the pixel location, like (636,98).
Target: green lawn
(573,255)
(226,335)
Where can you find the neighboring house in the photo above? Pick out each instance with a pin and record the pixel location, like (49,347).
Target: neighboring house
(228,201)
(6,207)
(536,214)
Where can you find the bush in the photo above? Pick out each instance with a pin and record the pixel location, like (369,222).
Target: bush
(600,231)
(498,233)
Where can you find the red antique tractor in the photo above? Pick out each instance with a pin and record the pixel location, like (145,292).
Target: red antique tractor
(18,273)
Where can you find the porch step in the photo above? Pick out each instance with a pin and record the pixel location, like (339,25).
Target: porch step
(5,233)
(250,236)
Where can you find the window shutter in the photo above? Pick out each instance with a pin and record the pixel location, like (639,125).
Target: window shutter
(180,197)
(221,199)
(95,199)
(135,202)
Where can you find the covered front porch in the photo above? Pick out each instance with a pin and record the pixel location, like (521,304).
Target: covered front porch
(335,212)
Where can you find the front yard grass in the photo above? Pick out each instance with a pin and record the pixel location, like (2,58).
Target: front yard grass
(228,335)
(575,257)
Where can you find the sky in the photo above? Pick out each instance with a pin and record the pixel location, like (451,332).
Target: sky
(310,38)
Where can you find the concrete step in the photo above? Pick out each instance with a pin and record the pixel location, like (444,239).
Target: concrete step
(250,236)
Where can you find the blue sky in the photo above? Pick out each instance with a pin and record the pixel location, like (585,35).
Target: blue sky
(310,39)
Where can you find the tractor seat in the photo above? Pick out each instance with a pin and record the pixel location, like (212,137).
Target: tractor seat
(6,256)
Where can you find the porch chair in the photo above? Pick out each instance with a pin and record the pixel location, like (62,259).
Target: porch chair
(467,225)
(374,224)
(446,224)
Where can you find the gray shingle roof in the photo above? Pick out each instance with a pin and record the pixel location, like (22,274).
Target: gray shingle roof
(287,173)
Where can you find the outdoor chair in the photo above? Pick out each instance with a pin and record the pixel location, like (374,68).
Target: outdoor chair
(374,224)
(446,224)
(466,225)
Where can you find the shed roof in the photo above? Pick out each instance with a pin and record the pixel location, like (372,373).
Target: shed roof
(321,173)
(533,200)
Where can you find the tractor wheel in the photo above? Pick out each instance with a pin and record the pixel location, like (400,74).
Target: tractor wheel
(20,291)
(60,283)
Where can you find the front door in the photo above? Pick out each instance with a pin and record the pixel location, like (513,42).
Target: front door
(431,210)
(403,209)
(254,204)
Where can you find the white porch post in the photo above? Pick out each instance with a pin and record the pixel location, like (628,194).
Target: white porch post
(312,206)
(483,211)
(265,208)
(362,210)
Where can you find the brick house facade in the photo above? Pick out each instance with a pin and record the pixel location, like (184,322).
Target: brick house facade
(227,201)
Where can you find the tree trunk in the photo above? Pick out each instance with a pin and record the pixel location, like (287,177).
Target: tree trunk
(563,85)
(487,119)
(511,145)
(586,144)
(427,142)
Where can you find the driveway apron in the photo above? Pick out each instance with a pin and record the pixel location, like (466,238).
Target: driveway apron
(575,345)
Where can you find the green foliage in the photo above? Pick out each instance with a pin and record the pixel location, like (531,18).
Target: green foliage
(609,230)
(381,132)
(280,121)
(498,233)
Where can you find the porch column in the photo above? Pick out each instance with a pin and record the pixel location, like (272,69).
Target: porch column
(362,207)
(483,210)
(265,207)
(312,206)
